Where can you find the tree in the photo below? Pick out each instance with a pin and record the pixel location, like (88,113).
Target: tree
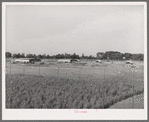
(117,56)
(59,56)
(128,55)
(8,54)
(99,55)
(39,56)
(137,56)
(34,56)
(22,55)
(82,55)
(29,56)
(48,56)
(67,55)
(114,55)
(44,56)
(90,57)
(14,56)
(19,55)
(73,56)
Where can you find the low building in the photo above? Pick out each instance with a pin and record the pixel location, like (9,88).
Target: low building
(124,58)
(98,61)
(129,62)
(26,60)
(65,60)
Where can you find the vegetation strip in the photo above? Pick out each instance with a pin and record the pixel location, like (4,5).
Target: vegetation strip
(31,91)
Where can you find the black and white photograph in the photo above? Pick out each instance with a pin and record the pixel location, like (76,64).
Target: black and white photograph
(74,60)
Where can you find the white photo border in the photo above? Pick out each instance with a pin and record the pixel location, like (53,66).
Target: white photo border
(69,114)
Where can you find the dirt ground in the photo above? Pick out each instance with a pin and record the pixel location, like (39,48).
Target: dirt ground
(129,104)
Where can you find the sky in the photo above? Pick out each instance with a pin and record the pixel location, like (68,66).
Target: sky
(87,29)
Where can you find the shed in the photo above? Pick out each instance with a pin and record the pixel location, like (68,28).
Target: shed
(124,58)
(27,60)
(65,60)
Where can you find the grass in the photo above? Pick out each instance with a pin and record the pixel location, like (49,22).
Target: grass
(32,91)
(73,85)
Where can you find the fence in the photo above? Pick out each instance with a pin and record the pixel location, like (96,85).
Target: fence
(102,73)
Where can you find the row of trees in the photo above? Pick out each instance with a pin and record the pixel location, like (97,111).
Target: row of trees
(112,55)
(43,56)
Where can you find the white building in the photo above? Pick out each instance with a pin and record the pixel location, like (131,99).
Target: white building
(65,60)
(25,60)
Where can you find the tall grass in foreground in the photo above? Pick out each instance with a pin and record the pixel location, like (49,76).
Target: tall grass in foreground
(30,91)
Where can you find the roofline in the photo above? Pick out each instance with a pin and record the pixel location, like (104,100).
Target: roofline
(26,58)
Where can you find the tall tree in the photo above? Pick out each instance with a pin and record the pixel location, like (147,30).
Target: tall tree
(137,56)
(128,55)
(8,54)
(39,56)
(82,55)
(22,55)
(14,56)
(99,55)
(48,56)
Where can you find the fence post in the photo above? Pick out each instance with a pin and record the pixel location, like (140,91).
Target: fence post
(133,90)
(10,67)
(103,94)
(103,91)
(118,84)
(116,67)
(79,74)
(58,73)
(133,97)
(104,74)
(143,70)
(24,69)
(39,69)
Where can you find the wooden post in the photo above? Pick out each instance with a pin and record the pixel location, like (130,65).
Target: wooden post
(103,94)
(10,68)
(24,69)
(39,69)
(104,74)
(103,91)
(116,67)
(79,74)
(58,74)
(133,97)
(133,90)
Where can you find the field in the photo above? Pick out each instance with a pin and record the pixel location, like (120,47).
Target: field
(127,103)
(84,84)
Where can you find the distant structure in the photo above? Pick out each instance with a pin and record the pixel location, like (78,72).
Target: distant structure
(108,59)
(99,55)
(68,60)
(26,60)
(65,60)
(98,61)
(124,58)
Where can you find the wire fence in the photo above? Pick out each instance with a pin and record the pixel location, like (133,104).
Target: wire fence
(104,73)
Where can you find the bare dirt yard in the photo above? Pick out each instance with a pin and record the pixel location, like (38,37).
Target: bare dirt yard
(84,84)
(137,102)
